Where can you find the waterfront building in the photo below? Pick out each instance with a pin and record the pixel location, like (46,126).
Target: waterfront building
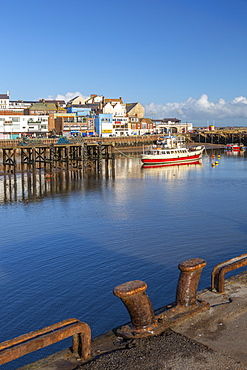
(80,110)
(77,100)
(70,124)
(134,110)
(58,120)
(117,109)
(95,99)
(20,105)
(81,117)
(104,125)
(172,125)
(141,126)
(4,101)
(83,121)
(15,126)
(44,107)
(58,103)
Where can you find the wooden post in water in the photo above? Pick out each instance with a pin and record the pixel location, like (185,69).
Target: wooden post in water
(99,157)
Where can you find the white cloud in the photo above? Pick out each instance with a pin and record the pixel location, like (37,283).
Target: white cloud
(68,96)
(200,109)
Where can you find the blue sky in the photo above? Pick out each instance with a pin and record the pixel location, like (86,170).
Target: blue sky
(177,58)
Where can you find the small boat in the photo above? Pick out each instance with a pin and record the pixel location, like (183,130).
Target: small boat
(235,147)
(169,151)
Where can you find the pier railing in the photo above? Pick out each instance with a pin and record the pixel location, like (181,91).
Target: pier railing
(27,343)
(219,271)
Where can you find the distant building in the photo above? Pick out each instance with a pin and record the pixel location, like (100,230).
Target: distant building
(95,99)
(20,105)
(58,103)
(172,125)
(14,126)
(141,126)
(103,125)
(117,109)
(134,110)
(43,107)
(4,101)
(79,110)
(78,100)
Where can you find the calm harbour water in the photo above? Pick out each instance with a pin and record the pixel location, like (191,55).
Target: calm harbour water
(67,243)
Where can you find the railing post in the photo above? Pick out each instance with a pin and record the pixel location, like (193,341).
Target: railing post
(188,282)
(133,295)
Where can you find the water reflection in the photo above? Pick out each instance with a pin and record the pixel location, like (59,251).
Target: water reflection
(34,186)
(171,173)
(85,232)
(235,153)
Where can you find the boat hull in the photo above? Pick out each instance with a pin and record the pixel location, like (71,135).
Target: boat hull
(163,160)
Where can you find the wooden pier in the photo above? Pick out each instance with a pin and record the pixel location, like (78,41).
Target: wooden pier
(54,157)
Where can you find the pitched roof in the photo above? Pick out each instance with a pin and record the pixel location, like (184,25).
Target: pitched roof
(45,106)
(71,100)
(55,101)
(113,100)
(4,96)
(130,106)
(91,106)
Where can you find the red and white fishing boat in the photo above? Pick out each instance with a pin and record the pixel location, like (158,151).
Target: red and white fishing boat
(169,151)
(235,147)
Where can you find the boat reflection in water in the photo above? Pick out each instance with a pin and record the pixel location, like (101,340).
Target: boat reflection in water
(235,153)
(171,172)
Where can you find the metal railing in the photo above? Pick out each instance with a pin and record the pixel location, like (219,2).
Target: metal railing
(27,343)
(219,271)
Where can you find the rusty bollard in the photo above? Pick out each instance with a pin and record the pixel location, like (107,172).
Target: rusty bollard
(133,295)
(188,282)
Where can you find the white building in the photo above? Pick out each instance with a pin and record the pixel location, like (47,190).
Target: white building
(4,101)
(119,118)
(103,125)
(172,125)
(94,99)
(15,126)
(77,100)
